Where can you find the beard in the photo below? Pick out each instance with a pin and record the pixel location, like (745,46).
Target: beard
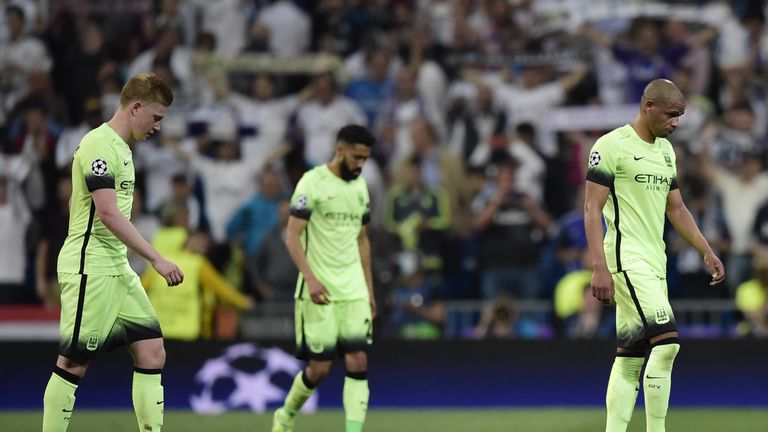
(348,174)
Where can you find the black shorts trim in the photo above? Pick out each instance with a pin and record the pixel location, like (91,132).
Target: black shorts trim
(87,236)
(78,314)
(635,300)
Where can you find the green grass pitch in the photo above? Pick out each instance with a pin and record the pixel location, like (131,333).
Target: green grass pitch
(527,420)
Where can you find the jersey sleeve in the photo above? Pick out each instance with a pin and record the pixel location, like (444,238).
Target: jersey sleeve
(673,183)
(303,199)
(603,163)
(98,164)
(367,202)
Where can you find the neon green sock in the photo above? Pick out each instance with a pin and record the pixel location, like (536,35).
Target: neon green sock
(298,394)
(621,396)
(148,401)
(356,395)
(59,401)
(657,385)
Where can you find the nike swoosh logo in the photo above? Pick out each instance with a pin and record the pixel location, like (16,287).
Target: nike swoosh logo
(638,158)
(66,410)
(650,377)
(160,402)
(126,163)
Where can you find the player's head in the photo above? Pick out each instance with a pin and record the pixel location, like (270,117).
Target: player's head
(353,148)
(661,106)
(145,97)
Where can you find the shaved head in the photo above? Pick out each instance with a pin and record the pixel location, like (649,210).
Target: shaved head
(662,91)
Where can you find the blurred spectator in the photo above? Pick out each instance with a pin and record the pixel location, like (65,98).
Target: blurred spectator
(37,143)
(579,313)
(760,231)
(571,239)
(147,224)
(159,163)
(181,192)
(258,215)
(227,180)
(267,116)
(225,20)
(14,220)
(288,26)
(417,310)
(477,125)
(340,24)
(271,271)
(70,137)
(186,311)
(398,116)
(371,91)
(498,319)
(694,276)
(741,195)
(419,216)
(752,300)
(439,169)
(320,119)
(54,232)
(20,54)
(511,228)
(179,15)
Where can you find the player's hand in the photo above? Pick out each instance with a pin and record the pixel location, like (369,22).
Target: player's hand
(317,292)
(602,286)
(170,271)
(715,266)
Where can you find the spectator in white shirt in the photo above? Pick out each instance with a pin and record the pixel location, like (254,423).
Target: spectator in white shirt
(289,27)
(15,217)
(321,118)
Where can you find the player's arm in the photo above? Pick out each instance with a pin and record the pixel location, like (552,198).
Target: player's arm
(595,198)
(105,200)
(681,219)
(296,226)
(365,256)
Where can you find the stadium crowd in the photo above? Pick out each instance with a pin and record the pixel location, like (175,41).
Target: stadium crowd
(483,110)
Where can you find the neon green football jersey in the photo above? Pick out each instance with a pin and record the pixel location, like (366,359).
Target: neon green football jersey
(336,211)
(640,176)
(102,160)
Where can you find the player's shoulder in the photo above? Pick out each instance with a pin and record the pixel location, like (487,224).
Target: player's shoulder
(97,139)
(615,137)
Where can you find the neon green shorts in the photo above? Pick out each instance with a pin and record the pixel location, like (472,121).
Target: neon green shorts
(103,312)
(323,331)
(642,307)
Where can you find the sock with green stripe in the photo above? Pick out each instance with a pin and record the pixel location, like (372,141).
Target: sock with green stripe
(623,386)
(59,400)
(148,400)
(300,391)
(658,383)
(356,395)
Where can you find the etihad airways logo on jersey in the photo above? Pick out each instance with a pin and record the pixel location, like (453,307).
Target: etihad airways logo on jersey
(127,185)
(344,219)
(654,182)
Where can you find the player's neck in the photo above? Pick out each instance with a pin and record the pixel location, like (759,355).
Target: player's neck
(643,132)
(121,127)
(334,167)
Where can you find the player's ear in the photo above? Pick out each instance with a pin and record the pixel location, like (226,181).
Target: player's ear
(135,107)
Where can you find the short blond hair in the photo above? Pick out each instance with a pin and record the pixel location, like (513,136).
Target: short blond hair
(147,88)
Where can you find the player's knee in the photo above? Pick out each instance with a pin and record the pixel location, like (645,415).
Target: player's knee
(72,366)
(664,352)
(356,362)
(151,357)
(316,372)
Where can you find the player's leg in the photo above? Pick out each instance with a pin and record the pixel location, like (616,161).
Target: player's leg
(657,382)
(84,325)
(650,296)
(356,337)
(316,342)
(138,327)
(59,396)
(356,392)
(624,381)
